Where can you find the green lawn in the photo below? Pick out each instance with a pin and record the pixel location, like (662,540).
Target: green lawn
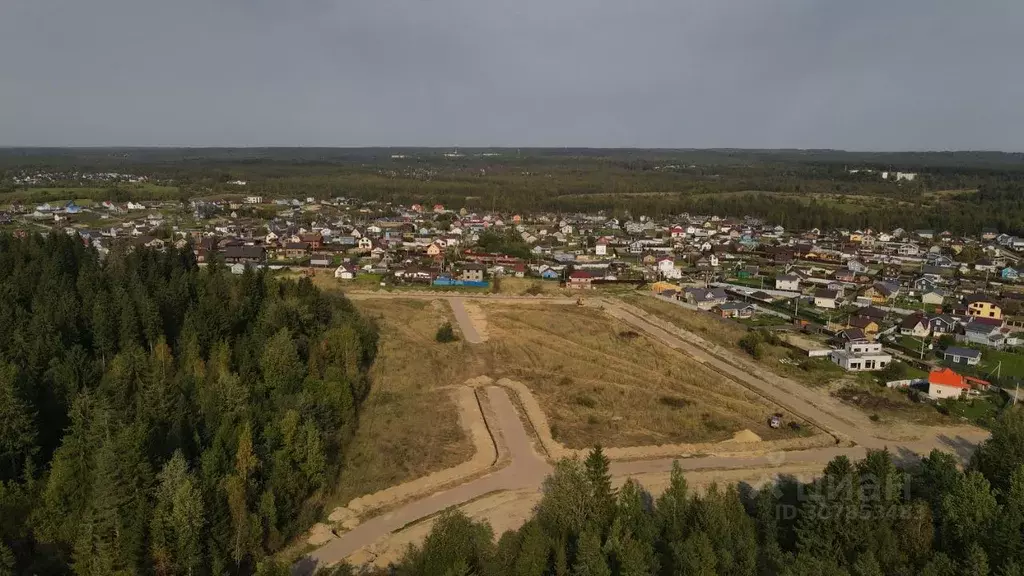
(1012,362)
(763,320)
(979,410)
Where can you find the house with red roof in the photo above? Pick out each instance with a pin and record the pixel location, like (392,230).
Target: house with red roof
(945,383)
(581,280)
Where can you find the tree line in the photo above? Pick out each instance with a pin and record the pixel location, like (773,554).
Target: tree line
(865,518)
(159,418)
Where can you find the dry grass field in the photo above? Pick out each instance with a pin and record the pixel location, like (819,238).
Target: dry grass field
(409,426)
(600,382)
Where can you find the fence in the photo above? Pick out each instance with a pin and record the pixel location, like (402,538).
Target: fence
(442,281)
(905,383)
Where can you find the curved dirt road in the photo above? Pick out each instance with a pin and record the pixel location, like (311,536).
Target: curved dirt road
(525,470)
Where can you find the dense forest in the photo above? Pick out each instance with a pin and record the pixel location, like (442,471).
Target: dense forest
(962,192)
(158,418)
(866,518)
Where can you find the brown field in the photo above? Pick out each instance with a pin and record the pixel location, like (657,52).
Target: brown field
(408,426)
(600,382)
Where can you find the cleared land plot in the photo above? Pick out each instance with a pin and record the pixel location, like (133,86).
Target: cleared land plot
(600,382)
(409,425)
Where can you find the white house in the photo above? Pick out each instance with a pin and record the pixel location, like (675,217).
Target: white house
(601,247)
(254,199)
(826,298)
(344,273)
(861,355)
(789,282)
(365,243)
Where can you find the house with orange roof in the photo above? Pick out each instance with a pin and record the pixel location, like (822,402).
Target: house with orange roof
(945,383)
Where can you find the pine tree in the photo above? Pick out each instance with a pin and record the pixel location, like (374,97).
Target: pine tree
(968,513)
(976,563)
(602,496)
(239,488)
(866,565)
(998,457)
(17,426)
(282,370)
(1008,534)
(176,527)
(534,551)
(939,565)
(565,508)
(694,556)
(590,559)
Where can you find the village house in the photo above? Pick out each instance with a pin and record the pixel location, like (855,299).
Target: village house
(345,272)
(957,355)
(472,272)
(861,355)
(982,306)
(945,383)
(245,255)
(826,299)
(942,324)
(295,250)
(868,325)
(914,325)
(581,280)
(788,282)
(705,298)
(935,296)
(734,310)
(320,260)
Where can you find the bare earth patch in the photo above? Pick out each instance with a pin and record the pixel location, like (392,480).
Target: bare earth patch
(478,318)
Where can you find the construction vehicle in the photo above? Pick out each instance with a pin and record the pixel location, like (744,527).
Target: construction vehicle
(579,301)
(775,421)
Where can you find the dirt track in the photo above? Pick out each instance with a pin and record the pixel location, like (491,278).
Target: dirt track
(526,470)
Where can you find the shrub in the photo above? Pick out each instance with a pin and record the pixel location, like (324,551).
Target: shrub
(673,401)
(445,333)
(752,344)
(534,289)
(586,401)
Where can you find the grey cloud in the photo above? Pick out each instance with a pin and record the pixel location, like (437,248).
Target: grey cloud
(871,74)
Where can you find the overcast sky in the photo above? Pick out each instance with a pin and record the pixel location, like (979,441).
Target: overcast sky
(853,74)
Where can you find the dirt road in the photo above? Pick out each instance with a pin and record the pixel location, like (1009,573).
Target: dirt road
(844,422)
(525,470)
(469,331)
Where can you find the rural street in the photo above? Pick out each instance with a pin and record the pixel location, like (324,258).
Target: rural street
(525,469)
